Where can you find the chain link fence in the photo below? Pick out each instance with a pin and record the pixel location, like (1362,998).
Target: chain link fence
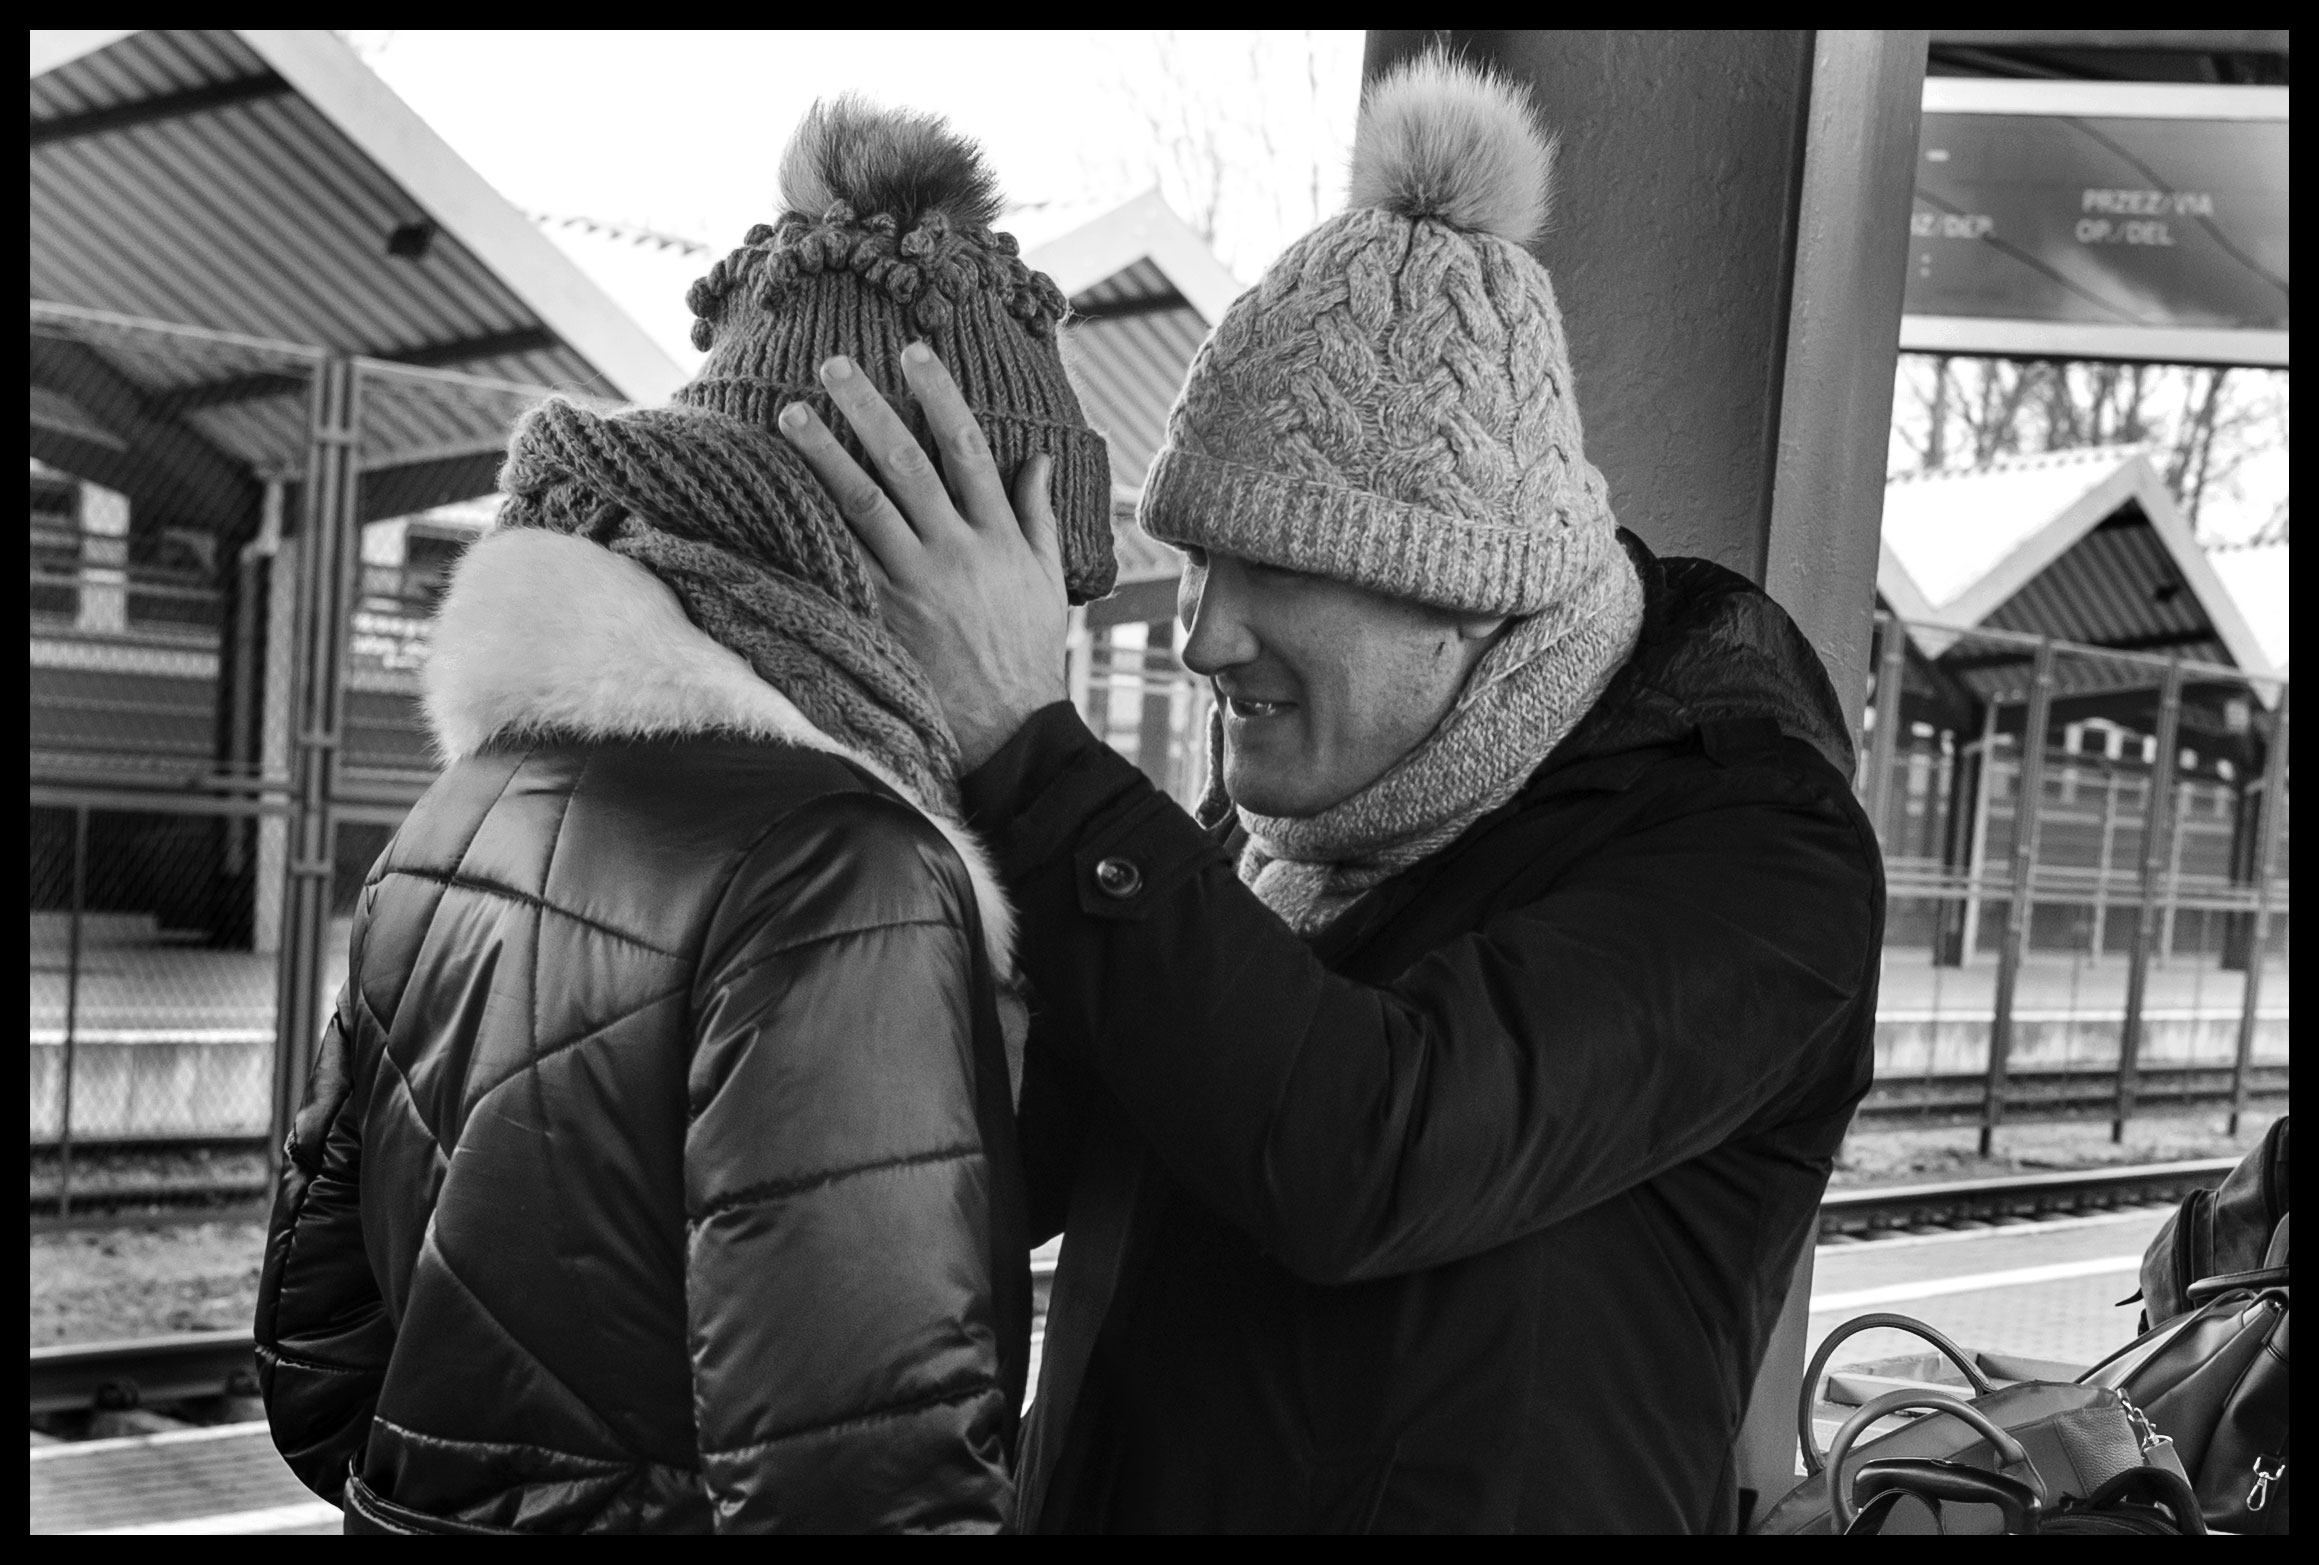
(2087,849)
(182,775)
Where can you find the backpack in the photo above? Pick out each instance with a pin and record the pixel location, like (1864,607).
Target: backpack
(2215,1232)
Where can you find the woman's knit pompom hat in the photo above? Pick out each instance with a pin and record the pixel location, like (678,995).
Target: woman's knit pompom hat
(885,238)
(1391,406)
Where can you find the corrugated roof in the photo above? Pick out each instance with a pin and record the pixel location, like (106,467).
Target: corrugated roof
(256,183)
(1129,355)
(2084,546)
(176,175)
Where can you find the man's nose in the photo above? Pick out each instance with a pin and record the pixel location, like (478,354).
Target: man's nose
(1216,637)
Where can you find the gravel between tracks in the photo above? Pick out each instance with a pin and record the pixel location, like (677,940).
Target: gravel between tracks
(133,1282)
(1908,1157)
(139,1282)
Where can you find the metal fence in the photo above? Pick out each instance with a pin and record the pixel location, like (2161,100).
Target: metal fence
(2118,948)
(224,720)
(2086,854)
(225,731)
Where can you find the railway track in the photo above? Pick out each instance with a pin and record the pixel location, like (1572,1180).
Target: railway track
(2046,1095)
(1922,1102)
(193,1367)
(1977,1203)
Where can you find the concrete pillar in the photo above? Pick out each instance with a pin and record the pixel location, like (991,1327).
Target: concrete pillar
(1729,246)
(104,569)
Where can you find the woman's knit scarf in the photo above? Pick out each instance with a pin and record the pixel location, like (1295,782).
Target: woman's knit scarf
(1521,700)
(729,518)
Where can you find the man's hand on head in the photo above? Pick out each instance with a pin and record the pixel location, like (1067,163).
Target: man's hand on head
(968,577)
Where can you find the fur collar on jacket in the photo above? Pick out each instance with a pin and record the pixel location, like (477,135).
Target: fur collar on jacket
(542,633)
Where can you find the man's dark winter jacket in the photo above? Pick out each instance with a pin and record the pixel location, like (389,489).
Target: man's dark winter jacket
(658,1173)
(1475,1213)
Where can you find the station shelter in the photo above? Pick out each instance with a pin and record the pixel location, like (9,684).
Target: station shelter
(2086,547)
(279,332)
(269,306)
(2075,713)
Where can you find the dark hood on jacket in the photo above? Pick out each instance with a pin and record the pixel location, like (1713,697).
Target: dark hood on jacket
(1714,648)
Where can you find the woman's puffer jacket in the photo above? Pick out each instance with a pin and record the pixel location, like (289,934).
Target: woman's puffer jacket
(657,1172)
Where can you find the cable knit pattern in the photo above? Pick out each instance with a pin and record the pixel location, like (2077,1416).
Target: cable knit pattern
(1391,406)
(729,516)
(1521,700)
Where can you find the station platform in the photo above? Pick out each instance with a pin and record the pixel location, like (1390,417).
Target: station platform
(2044,1291)
(226,1480)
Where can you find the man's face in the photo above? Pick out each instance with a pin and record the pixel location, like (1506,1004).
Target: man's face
(1323,685)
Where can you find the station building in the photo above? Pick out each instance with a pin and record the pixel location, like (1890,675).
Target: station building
(2086,547)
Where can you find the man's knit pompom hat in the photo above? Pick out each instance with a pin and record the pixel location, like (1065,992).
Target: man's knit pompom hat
(885,238)
(1391,406)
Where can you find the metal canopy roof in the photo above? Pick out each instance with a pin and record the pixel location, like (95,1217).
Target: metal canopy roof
(264,188)
(1145,291)
(2085,546)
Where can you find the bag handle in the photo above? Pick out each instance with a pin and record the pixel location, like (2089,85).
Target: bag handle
(1851,1328)
(2208,1289)
(1951,1481)
(2153,1486)
(2010,1452)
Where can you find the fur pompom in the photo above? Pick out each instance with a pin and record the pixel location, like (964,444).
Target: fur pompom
(896,162)
(1443,139)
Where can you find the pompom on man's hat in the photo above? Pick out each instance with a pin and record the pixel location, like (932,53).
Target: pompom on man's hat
(1391,405)
(886,238)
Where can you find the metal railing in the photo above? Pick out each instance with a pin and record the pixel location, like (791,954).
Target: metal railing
(2076,924)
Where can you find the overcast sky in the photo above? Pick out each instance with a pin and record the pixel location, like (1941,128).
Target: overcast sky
(681,131)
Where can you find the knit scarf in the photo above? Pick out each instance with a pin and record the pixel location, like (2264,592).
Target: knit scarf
(1520,701)
(729,518)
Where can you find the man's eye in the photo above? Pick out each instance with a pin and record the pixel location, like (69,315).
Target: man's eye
(1197,559)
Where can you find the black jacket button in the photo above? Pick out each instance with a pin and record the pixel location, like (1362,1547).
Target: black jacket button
(1118,878)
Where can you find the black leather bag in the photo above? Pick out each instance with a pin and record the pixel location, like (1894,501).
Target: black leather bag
(1899,1498)
(2061,1442)
(2232,1228)
(2215,1381)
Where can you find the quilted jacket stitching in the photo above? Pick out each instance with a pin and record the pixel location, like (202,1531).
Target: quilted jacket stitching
(965,1391)
(780,1189)
(547,873)
(727,975)
(294,1227)
(717,905)
(410,1097)
(531,899)
(530,1067)
(443,1263)
(314,1366)
(601,1464)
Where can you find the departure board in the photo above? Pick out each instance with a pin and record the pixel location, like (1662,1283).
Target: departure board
(2134,236)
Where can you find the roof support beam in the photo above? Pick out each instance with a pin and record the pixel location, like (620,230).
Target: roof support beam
(168,466)
(168,106)
(469,350)
(2159,642)
(1119,310)
(270,383)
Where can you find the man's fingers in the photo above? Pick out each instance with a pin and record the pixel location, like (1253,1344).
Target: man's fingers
(1037,511)
(908,472)
(883,531)
(966,458)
